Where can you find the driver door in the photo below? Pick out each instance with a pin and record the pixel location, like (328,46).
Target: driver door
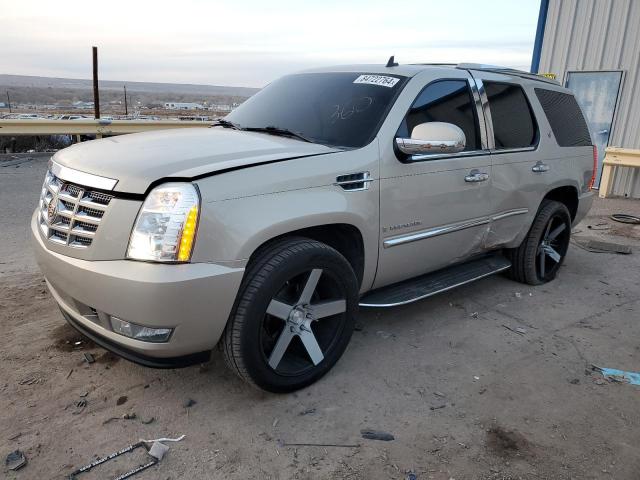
(435,209)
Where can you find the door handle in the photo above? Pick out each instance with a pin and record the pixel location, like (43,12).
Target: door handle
(540,167)
(475,176)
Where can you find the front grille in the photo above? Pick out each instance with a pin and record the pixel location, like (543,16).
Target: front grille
(70,214)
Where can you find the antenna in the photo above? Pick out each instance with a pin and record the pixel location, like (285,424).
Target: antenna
(392,62)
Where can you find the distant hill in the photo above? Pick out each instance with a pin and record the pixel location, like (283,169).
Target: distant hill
(142,87)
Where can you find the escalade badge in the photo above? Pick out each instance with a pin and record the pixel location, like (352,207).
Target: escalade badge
(52,209)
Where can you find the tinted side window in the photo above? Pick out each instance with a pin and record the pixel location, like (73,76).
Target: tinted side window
(565,117)
(513,122)
(445,101)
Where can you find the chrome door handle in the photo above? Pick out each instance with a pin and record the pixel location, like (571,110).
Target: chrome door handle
(540,167)
(475,176)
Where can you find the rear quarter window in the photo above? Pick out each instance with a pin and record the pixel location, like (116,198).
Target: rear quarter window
(565,117)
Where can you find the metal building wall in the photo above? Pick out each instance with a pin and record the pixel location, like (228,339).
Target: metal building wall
(601,35)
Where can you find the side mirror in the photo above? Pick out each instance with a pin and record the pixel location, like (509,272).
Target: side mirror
(433,137)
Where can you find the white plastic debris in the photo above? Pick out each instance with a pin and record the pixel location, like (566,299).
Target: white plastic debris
(164,439)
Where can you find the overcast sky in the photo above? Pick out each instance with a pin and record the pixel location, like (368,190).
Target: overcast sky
(250,42)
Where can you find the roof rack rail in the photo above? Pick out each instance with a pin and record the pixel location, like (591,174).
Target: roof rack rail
(506,70)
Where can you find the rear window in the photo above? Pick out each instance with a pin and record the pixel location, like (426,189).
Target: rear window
(565,117)
(513,122)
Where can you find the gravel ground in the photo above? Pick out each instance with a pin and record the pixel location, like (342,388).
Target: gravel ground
(489,381)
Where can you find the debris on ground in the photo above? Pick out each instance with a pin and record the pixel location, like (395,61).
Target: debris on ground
(282,444)
(599,226)
(519,331)
(29,381)
(620,376)
(15,460)
(130,416)
(80,405)
(598,246)
(89,358)
(625,218)
(122,400)
(157,451)
(377,435)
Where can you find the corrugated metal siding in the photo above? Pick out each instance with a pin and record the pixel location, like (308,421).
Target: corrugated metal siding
(601,35)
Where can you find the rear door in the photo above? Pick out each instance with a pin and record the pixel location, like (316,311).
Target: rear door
(432,212)
(520,173)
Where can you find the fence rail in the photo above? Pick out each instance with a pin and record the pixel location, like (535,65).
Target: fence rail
(614,159)
(90,127)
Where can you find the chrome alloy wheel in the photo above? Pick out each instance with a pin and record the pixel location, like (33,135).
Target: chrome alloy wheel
(553,247)
(302,322)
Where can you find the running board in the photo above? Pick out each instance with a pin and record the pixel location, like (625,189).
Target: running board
(414,289)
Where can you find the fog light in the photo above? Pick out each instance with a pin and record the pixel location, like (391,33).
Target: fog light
(138,332)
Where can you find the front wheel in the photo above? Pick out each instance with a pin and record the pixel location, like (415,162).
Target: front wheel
(539,256)
(293,317)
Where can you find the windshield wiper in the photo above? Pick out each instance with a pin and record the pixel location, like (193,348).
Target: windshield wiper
(283,132)
(226,124)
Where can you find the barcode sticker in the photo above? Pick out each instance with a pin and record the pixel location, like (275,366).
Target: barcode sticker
(381,80)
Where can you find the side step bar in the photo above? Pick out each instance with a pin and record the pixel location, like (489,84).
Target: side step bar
(414,289)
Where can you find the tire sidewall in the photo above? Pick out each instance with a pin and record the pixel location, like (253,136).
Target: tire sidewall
(255,299)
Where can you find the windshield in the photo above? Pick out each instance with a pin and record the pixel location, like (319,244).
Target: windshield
(342,109)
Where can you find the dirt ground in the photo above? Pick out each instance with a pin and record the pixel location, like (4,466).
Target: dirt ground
(489,381)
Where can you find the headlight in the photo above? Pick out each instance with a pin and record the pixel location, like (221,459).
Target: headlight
(166,225)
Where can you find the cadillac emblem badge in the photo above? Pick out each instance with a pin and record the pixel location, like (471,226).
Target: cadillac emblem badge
(52,209)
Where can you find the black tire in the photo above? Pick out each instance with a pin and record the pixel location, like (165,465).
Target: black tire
(539,257)
(276,279)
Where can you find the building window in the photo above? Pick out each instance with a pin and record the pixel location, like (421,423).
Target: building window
(513,122)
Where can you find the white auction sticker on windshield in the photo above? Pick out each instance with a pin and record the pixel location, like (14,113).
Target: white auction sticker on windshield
(381,80)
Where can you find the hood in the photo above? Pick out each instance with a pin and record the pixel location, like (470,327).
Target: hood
(139,159)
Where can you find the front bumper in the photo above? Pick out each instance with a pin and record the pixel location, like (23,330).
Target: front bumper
(193,299)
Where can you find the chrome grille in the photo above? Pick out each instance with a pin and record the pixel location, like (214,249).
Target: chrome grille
(70,214)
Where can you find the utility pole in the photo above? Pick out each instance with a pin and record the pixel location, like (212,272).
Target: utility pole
(96,96)
(126,109)
(9,101)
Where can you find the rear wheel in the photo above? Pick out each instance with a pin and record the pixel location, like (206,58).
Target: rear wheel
(539,257)
(294,315)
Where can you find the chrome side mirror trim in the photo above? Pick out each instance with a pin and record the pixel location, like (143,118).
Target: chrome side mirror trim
(412,146)
(433,138)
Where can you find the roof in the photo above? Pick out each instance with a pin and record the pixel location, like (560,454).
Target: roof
(409,70)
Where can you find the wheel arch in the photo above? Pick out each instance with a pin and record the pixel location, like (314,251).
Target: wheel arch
(567,195)
(346,238)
